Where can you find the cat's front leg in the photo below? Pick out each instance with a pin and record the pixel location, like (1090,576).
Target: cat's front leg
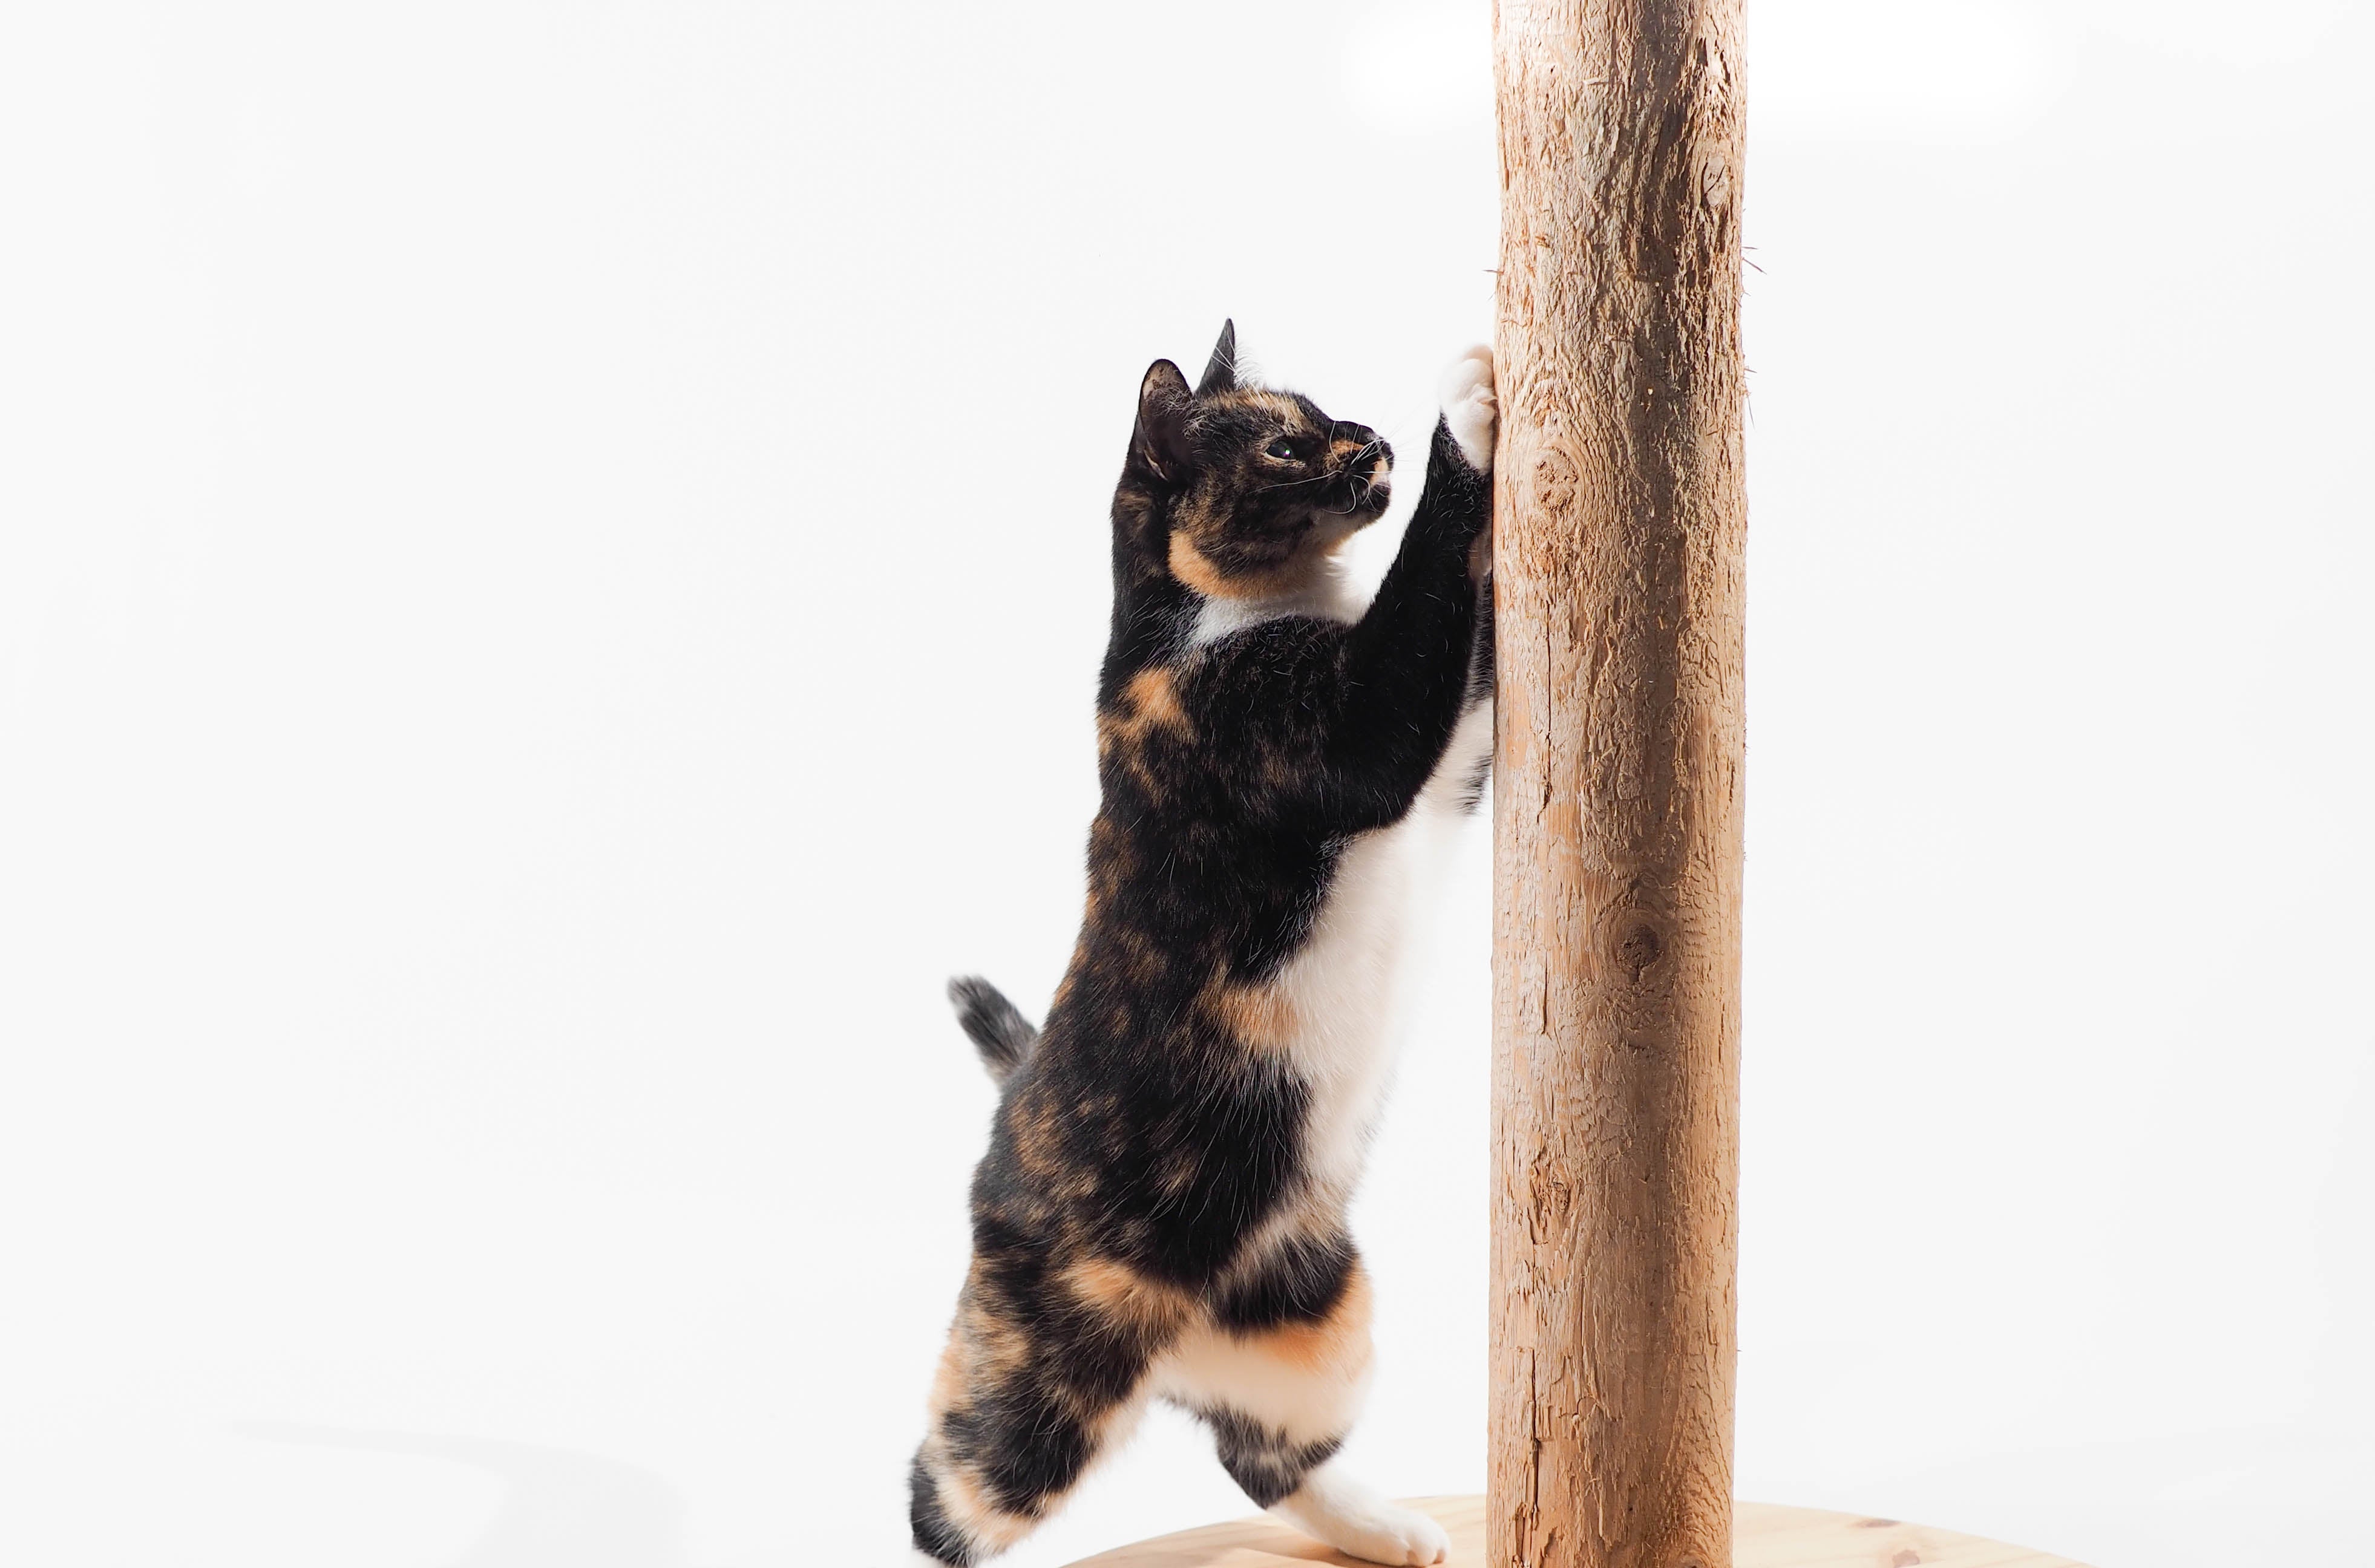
(1410,665)
(1471,407)
(1472,414)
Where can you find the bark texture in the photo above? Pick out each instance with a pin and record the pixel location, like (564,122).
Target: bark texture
(1620,527)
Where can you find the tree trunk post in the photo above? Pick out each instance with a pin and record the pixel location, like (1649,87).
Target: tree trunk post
(1620,528)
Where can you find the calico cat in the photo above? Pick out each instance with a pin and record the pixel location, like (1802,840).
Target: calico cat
(1162,1210)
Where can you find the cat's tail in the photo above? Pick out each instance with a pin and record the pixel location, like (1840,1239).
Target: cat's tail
(996,1026)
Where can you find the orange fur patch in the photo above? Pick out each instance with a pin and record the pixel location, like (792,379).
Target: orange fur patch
(1292,575)
(1119,1291)
(962,1500)
(1156,701)
(1037,1136)
(1260,1016)
(1149,702)
(1189,565)
(1337,1344)
(949,1378)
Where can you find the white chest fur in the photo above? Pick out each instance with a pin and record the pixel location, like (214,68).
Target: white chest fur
(1343,987)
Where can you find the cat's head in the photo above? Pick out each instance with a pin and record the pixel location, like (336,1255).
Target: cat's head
(1247,490)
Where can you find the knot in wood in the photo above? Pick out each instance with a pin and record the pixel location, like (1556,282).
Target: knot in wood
(1551,482)
(1638,949)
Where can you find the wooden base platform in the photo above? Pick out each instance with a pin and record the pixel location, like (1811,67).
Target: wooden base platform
(1764,1535)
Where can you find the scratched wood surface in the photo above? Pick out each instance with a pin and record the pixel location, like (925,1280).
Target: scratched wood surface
(1764,1535)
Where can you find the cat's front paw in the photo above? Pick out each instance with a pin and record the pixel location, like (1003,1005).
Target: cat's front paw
(1471,407)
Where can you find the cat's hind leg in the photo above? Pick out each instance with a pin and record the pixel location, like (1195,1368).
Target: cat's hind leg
(1045,1372)
(1279,1375)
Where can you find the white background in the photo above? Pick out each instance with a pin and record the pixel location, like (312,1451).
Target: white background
(551,565)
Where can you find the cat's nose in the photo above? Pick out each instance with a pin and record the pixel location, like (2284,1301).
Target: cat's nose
(1356,449)
(1369,480)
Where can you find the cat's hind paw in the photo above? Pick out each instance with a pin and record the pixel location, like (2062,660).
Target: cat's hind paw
(1471,407)
(1339,1510)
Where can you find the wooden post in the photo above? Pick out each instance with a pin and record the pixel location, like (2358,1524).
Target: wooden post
(1620,524)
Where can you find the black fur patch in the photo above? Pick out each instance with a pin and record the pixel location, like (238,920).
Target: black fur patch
(1301,1284)
(1022,1444)
(1261,1459)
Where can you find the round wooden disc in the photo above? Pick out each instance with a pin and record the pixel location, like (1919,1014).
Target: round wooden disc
(1764,1535)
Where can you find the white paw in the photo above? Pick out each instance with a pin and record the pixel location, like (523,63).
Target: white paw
(1471,407)
(1339,1510)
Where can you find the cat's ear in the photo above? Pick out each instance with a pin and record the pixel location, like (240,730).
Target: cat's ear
(1221,369)
(1160,442)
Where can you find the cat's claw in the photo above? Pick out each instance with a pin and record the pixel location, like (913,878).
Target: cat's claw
(1471,407)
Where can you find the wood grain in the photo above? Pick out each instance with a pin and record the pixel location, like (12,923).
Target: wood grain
(1765,1536)
(1620,523)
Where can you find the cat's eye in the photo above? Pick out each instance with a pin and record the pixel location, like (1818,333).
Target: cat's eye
(1281,449)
